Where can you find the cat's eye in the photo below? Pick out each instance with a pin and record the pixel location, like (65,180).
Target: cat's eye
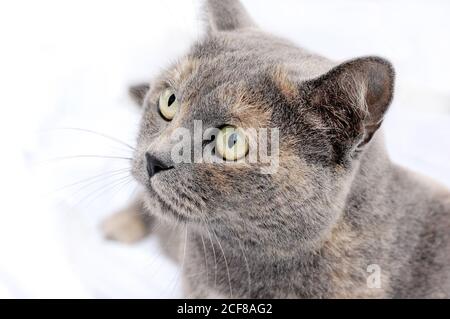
(231,143)
(168,104)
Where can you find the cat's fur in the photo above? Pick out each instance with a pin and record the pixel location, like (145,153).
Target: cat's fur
(336,205)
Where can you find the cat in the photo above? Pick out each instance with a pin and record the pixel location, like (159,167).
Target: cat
(337,219)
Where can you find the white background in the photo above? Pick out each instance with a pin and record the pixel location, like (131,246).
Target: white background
(68,63)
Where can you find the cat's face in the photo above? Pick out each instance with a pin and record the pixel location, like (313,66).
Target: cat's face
(242,81)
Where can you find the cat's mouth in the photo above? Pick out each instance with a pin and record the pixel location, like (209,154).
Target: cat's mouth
(168,208)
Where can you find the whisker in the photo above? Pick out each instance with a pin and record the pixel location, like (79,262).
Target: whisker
(181,270)
(117,188)
(115,178)
(206,260)
(111,182)
(89,156)
(248,268)
(214,253)
(163,245)
(104,188)
(96,177)
(185,245)
(98,134)
(226,263)
(107,182)
(175,279)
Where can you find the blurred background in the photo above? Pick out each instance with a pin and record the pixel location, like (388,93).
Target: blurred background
(64,71)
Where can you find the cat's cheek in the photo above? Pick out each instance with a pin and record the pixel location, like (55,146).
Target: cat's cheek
(138,170)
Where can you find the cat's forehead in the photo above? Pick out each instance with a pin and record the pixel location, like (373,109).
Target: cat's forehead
(226,75)
(252,52)
(236,62)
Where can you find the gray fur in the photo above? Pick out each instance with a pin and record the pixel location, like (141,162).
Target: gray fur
(138,92)
(336,205)
(226,15)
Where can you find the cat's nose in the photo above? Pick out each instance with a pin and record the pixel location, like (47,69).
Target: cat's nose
(154,165)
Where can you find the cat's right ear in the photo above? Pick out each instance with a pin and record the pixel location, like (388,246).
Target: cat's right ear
(353,98)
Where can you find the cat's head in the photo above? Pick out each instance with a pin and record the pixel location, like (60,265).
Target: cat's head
(239,80)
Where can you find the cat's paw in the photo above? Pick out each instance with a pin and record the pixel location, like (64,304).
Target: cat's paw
(126,226)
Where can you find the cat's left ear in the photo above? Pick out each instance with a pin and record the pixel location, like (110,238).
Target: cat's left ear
(226,15)
(353,97)
(138,92)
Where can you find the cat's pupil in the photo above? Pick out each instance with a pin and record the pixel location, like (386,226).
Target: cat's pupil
(232,140)
(171,100)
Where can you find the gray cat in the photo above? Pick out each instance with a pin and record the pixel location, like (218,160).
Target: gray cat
(337,219)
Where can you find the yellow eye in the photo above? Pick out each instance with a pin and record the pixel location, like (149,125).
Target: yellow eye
(168,104)
(231,143)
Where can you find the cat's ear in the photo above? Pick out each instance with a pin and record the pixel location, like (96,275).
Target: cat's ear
(226,15)
(353,97)
(138,92)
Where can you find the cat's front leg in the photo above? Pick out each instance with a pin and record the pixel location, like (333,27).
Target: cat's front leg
(128,225)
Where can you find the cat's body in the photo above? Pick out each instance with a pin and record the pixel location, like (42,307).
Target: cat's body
(392,218)
(338,218)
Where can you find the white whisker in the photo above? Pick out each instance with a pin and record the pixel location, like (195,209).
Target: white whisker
(98,134)
(226,264)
